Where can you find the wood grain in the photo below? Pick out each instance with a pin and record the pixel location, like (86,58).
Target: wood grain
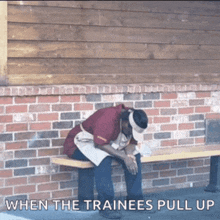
(111,50)
(51,32)
(3,42)
(54,15)
(183,7)
(175,153)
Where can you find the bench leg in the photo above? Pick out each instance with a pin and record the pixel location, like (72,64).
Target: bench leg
(214,181)
(85,186)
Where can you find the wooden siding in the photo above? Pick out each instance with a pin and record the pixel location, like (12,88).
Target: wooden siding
(3,42)
(62,42)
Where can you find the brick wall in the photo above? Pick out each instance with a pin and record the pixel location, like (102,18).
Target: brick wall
(35,120)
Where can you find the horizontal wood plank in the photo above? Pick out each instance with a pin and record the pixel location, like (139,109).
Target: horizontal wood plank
(186,7)
(46,79)
(158,155)
(110,50)
(55,15)
(111,66)
(51,32)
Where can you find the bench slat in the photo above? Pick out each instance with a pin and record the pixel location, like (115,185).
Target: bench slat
(162,154)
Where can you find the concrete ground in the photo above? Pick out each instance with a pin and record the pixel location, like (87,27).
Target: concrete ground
(190,204)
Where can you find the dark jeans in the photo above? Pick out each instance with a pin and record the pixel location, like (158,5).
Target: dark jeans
(103,180)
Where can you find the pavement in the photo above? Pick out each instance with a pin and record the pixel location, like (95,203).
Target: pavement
(181,204)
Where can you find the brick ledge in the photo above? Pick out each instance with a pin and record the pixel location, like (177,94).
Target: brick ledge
(104,89)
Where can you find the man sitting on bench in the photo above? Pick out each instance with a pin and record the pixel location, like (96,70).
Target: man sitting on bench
(107,134)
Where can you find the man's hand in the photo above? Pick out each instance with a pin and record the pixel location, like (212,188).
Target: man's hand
(131,164)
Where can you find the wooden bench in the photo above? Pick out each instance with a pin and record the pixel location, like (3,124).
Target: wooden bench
(162,154)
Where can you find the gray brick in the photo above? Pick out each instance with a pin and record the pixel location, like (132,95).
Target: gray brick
(78,122)
(24,171)
(143,104)
(185,171)
(134,96)
(25,153)
(185,141)
(200,125)
(161,182)
(70,115)
(68,184)
(62,124)
(93,98)
(168,111)
(103,105)
(198,117)
(47,134)
(24,136)
(14,198)
(153,95)
(197,133)
(16,163)
(178,164)
(6,137)
(162,135)
(38,143)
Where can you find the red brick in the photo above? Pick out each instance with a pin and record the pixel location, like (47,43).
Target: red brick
(39,161)
(16,145)
(6,100)
(178,180)
(200,140)
(152,111)
(48,187)
(17,127)
(203,109)
(39,108)
(5,173)
(48,99)
(169,143)
(158,104)
(6,191)
(39,196)
(169,127)
(5,118)
(40,126)
(16,181)
(16,109)
(169,96)
(48,117)
(186,110)
(48,152)
(62,107)
(161,119)
(213,116)
(64,133)
(62,194)
(70,98)
(84,106)
(61,176)
(152,175)
(186,126)
(195,163)
(203,94)
(39,179)
(25,100)
(24,189)
(168,173)
(202,169)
